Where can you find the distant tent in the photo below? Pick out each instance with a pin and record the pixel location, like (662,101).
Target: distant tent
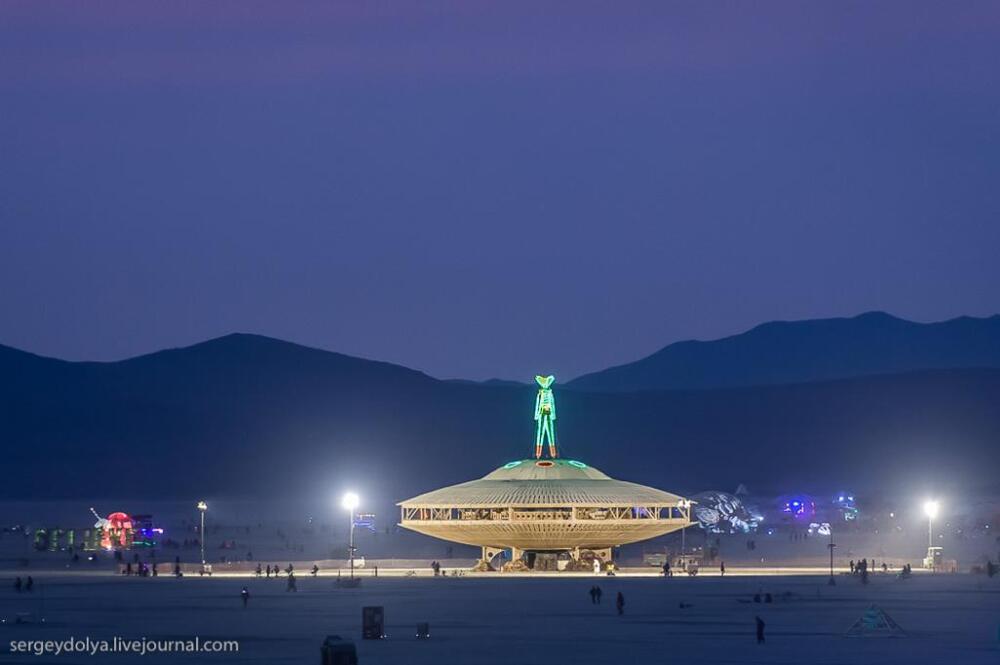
(875,623)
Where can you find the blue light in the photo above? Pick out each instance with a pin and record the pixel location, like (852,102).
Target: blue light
(511,465)
(579,465)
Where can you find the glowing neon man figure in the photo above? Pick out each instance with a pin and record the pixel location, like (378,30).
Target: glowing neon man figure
(545,416)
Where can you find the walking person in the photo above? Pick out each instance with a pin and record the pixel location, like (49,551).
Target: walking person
(760,629)
(599,594)
(620,603)
(291,583)
(593,595)
(30,584)
(245,595)
(722,569)
(17,585)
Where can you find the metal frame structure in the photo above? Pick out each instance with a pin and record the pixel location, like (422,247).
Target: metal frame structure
(548,528)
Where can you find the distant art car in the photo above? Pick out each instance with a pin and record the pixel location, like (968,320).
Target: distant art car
(844,503)
(797,507)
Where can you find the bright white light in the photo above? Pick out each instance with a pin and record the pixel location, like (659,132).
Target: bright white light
(202,506)
(931,509)
(350,501)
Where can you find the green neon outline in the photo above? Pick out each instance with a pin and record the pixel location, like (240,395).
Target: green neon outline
(545,416)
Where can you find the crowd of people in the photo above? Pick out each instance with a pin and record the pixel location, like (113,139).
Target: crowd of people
(19,585)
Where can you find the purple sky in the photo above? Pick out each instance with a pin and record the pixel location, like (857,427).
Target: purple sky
(494,189)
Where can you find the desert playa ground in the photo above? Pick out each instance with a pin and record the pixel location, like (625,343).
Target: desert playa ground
(523,620)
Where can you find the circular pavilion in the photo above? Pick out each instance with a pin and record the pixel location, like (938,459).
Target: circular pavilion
(546,504)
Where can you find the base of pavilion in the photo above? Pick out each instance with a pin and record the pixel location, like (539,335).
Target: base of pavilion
(513,559)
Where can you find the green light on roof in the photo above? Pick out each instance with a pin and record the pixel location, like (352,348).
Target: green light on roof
(579,465)
(511,465)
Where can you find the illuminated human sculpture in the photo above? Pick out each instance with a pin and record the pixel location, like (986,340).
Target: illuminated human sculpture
(545,416)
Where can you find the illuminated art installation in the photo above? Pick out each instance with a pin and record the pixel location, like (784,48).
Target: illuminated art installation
(550,513)
(721,512)
(545,416)
(116,530)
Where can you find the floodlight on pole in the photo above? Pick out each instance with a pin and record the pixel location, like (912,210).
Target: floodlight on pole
(202,508)
(350,503)
(931,509)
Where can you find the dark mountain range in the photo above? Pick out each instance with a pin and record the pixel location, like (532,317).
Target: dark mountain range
(804,351)
(495,382)
(250,416)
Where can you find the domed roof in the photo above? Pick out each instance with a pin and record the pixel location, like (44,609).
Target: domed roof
(546,469)
(545,482)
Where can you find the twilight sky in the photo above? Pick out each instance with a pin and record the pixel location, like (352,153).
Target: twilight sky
(490,189)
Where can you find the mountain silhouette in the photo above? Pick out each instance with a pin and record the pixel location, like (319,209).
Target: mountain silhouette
(245,415)
(804,351)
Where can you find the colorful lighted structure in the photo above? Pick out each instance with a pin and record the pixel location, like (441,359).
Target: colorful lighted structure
(116,530)
(546,506)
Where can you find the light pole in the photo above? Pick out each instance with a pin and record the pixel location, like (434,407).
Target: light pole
(350,503)
(832,581)
(931,510)
(685,507)
(202,508)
